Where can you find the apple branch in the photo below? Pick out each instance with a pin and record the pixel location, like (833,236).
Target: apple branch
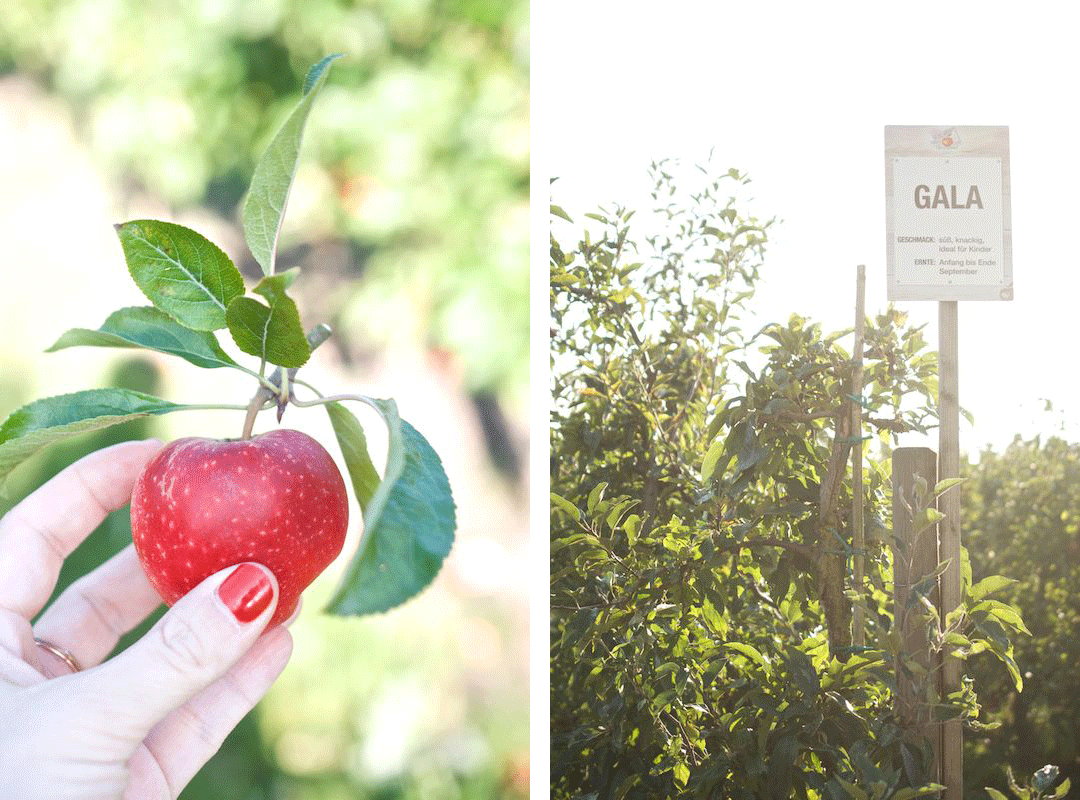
(277,386)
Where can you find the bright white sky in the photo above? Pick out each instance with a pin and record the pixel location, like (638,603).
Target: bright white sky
(797,97)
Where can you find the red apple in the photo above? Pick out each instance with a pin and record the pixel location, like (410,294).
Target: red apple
(201,505)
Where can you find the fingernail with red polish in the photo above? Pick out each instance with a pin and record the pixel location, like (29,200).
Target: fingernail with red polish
(246,592)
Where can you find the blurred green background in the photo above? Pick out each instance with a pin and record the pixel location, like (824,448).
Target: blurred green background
(409,218)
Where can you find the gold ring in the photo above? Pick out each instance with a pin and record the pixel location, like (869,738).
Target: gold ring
(60,653)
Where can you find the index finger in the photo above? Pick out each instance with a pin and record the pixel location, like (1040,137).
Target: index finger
(41,531)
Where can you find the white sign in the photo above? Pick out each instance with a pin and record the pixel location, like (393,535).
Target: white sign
(948,216)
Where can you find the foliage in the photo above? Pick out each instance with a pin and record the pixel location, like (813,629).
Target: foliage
(701,557)
(419,168)
(1021,518)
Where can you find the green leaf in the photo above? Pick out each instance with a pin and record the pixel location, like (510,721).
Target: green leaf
(51,419)
(944,485)
(854,792)
(408,526)
(989,585)
(558,212)
(784,754)
(926,518)
(273,333)
(595,496)
(149,327)
(264,207)
(566,505)
(708,466)
(1003,612)
(954,639)
(681,773)
(713,618)
(353,443)
(614,516)
(922,791)
(747,650)
(181,272)
(995,794)
(1007,659)
(575,538)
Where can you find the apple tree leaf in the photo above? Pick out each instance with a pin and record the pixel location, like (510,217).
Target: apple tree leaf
(181,272)
(272,332)
(350,436)
(265,204)
(153,329)
(408,526)
(51,419)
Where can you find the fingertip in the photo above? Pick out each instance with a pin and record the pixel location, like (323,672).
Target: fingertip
(279,648)
(249,592)
(124,458)
(268,657)
(295,613)
(152,444)
(279,640)
(148,448)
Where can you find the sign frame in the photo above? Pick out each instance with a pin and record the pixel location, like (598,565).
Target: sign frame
(927,143)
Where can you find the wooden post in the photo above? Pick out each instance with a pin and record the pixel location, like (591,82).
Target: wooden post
(952,744)
(858,528)
(914,559)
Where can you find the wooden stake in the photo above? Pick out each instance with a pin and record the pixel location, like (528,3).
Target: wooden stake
(952,743)
(858,637)
(914,557)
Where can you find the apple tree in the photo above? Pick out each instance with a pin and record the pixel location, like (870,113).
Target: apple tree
(702,596)
(1022,518)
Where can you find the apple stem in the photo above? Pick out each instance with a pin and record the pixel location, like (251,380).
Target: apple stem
(253,409)
(277,387)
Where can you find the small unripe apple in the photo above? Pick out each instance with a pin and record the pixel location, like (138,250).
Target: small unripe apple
(201,505)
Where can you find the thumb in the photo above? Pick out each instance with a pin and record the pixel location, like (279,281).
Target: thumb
(193,645)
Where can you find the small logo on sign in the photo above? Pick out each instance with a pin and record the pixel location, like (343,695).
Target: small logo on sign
(945,139)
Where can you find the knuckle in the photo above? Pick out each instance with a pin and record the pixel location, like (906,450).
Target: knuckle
(19,518)
(185,647)
(91,484)
(102,609)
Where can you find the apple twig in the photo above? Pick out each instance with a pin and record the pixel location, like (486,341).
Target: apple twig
(276,388)
(334,398)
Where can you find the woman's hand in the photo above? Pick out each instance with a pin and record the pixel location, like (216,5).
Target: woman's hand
(140,725)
